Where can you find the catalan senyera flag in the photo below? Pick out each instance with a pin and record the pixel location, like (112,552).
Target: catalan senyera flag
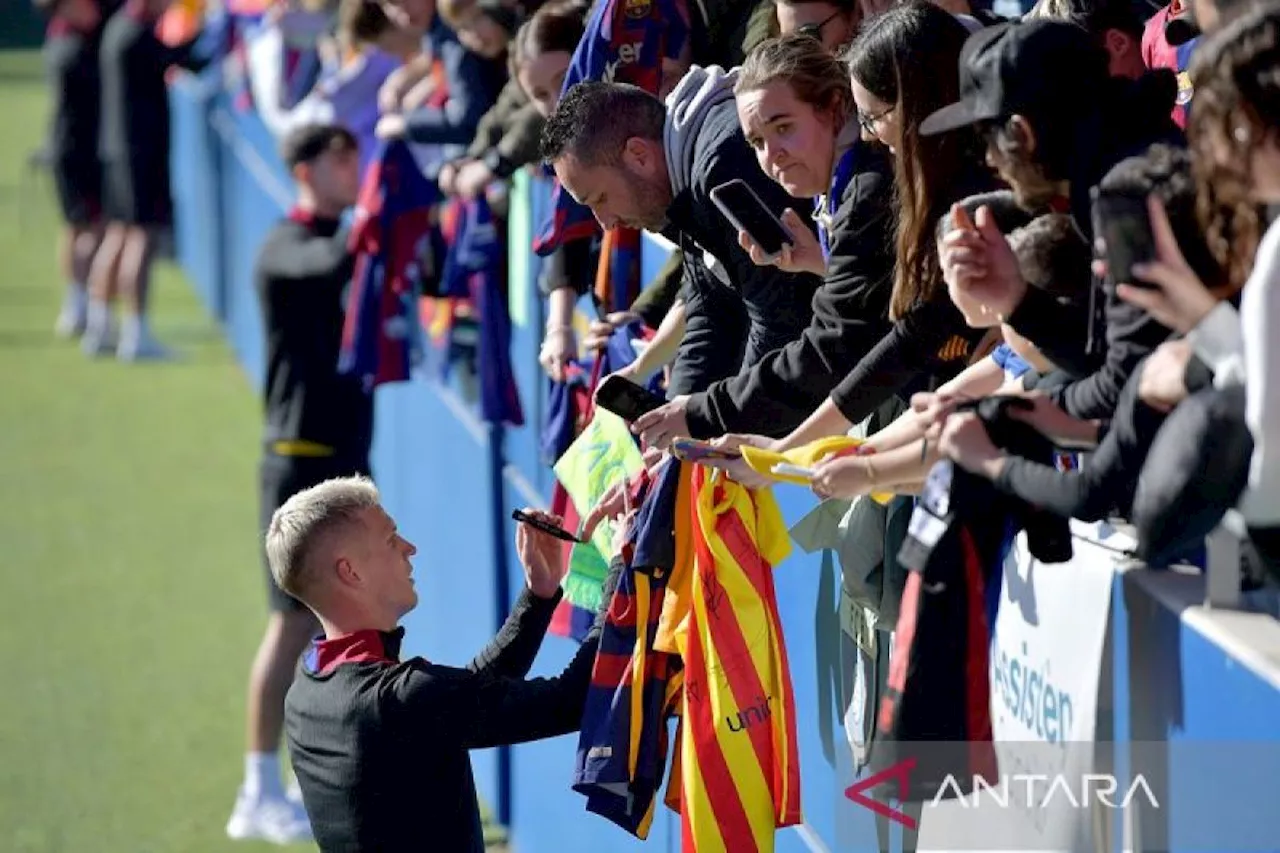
(380,338)
(739,761)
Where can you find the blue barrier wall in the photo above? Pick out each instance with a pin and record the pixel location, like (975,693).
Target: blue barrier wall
(1179,674)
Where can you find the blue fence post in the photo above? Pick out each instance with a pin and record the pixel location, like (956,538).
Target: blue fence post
(218,206)
(501,589)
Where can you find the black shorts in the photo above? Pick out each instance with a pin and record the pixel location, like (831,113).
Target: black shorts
(78,180)
(282,477)
(135,191)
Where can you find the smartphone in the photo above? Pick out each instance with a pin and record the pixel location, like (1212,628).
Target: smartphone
(692,450)
(626,399)
(1124,224)
(789,470)
(744,209)
(545,527)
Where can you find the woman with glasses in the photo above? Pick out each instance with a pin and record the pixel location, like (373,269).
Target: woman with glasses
(834,23)
(903,65)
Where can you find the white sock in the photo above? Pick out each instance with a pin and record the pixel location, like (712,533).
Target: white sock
(99,314)
(262,776)
(132,326)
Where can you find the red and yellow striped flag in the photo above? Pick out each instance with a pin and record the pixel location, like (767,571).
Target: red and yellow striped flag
(740,773)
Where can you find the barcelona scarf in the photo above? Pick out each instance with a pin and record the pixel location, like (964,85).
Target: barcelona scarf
(474,269)
(381,337)
(618,274)
(740,772)
(935,714)
(300,33)
(243,16)
(635,686)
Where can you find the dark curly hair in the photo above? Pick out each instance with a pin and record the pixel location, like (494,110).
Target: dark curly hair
(1236,72)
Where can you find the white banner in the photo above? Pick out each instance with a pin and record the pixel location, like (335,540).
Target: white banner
(1046,657)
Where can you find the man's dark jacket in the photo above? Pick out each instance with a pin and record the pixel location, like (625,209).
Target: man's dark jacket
(380,746)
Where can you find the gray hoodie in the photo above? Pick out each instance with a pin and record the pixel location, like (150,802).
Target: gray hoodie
(735,311)
(687,107)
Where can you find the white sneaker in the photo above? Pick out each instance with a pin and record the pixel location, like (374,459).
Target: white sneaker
(138,344)
(74,315)
(293,793)
(271,819)
(99,340)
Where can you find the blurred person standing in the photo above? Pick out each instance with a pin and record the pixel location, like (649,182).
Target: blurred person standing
(71,59)
(133,142)
(506,137)
(319,425)
(372,49)
(438,98)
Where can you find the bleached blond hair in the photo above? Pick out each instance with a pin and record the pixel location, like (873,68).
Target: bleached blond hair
(308,518)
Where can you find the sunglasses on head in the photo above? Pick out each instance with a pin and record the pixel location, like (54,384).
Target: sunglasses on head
(814,31)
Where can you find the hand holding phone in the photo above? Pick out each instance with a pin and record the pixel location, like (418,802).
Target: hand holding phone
(1170,291)
(626,399)
(744,209)
(1123,223)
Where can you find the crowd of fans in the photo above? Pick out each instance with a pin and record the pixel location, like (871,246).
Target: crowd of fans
(1069,213)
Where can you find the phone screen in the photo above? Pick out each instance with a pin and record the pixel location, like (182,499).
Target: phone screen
(626,399)
(745,210)
(1124,224)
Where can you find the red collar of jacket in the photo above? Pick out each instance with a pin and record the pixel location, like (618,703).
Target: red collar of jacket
(368,646)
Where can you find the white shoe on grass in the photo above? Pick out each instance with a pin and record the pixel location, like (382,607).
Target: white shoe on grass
(74,316)
(138,344)
(99,340)
(273,819)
